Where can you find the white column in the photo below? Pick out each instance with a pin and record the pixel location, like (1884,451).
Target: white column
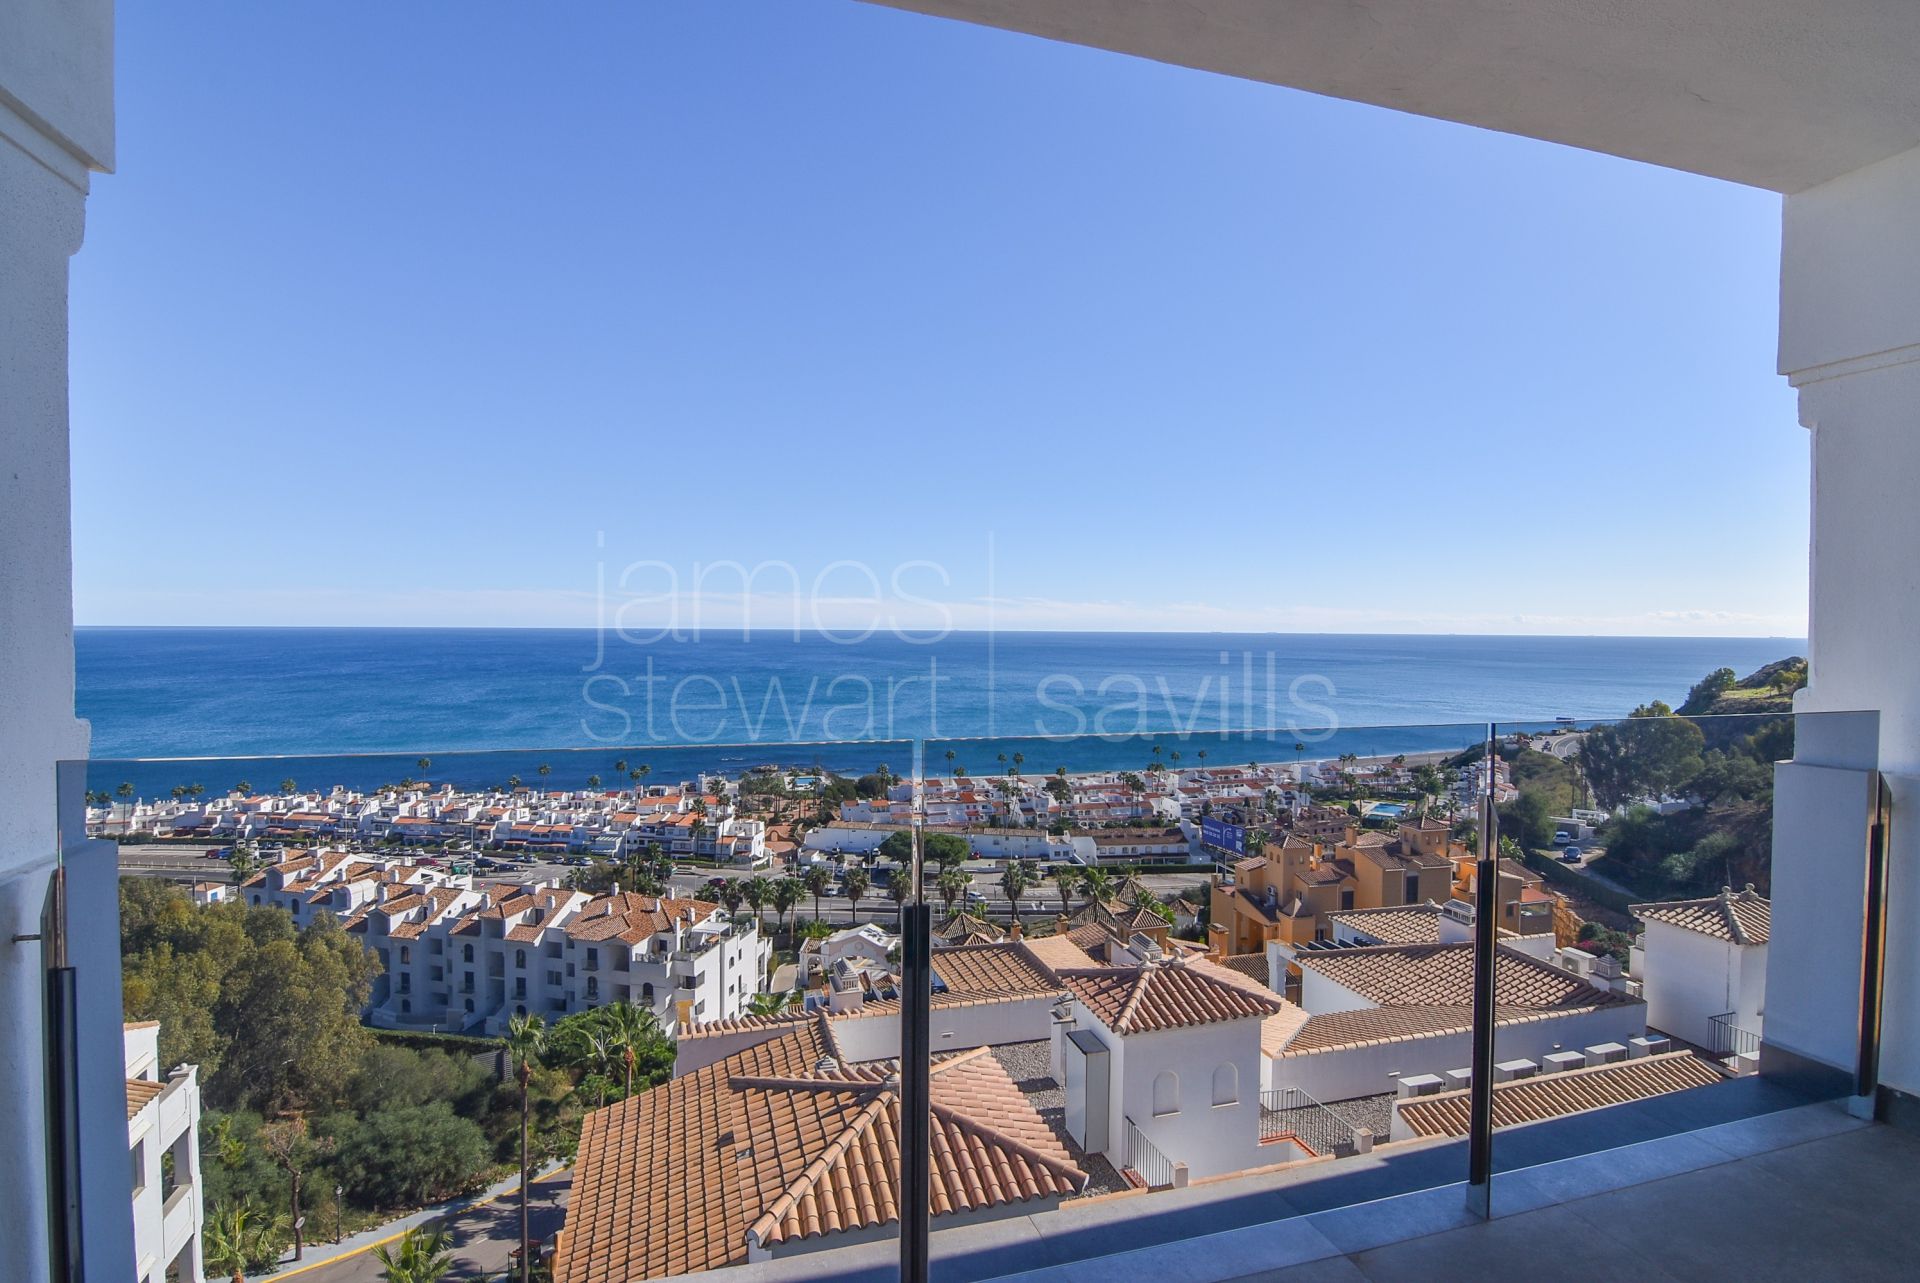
(56,124)
(1850,342)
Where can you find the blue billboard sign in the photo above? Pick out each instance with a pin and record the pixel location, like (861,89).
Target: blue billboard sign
(1223,836)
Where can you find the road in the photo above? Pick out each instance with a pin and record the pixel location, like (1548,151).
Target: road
(484,1238)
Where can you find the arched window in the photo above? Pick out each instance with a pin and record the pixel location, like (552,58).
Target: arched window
(1226,1084)
(520,958)
(406,954)
(1166,1093)
(406,1005)
(646,992)
(520,1010)
(256,897)
(469,1005)
(466,951)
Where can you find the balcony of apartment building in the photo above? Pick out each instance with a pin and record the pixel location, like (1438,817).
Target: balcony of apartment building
(1792,1170)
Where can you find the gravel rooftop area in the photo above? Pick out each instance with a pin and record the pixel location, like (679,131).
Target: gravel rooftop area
(1026,1064)
(1375,1113)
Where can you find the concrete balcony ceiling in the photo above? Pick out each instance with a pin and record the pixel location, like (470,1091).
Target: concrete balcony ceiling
(1779,94)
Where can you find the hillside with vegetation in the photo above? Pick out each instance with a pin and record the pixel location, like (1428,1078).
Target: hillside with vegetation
(1690,791)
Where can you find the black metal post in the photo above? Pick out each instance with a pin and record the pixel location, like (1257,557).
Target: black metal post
(916,1049)
(1866,1079)
(1485,931)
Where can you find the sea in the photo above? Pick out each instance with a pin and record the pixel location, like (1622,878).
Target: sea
(215,707)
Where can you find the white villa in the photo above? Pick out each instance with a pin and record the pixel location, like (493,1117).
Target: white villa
(1702,965)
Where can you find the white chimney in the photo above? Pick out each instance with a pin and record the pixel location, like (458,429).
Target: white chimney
(1649,1045)
(1509,1070)
(1606,1053)
(1419,1085)
(1559,1062)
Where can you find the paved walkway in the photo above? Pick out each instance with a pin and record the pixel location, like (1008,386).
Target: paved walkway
(485,1227)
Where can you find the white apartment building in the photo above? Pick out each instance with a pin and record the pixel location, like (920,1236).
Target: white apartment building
(1702,966)
(163,1123)
(465,957)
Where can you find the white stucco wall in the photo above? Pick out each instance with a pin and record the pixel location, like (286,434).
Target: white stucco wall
(1370,1070)
(1691,978)
(56,123)
(954,1027)
(1210,1139)
(1850,343)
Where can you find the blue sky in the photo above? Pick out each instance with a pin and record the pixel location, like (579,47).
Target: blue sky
(445,313)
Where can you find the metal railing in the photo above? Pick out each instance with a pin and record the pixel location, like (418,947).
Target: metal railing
(1289,1111)
(1730,1039)
(1145,1162)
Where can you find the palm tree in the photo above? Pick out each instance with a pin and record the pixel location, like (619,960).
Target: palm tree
(513,782)
(856,882)
(593,781)
(526,1038)
(952,883)
(243,787)
(630,1030)
(1097,885)
(772,1004)
(1019,760)
(1015,882)
(425,764)
(731,893)
(785,894)
(245,863)
(124,790)
(543,769)
(238,1236)
(422,1255)
(1065,878)
(1202,755)
(288,786)
(620,767)
(641,771)
(818,880)
(757,892)
(950,757)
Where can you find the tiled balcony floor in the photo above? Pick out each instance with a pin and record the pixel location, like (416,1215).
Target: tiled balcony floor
(1837,1207)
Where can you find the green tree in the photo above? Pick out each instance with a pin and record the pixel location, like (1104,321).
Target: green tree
(1016,882)
(785,894)
(952,883)
(1096,884)
(1065,879)
(1525,819)
(818,880)
(945,849)
(420,1255)
(1649,756)
(411,1155)
(287,786)
(526,1037)
(898,847)
(241,1237)
(856,882)
(757,892)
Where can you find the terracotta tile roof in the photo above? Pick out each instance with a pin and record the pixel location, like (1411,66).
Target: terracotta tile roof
(1008,970)
(1533,1100)
(1743,917)
(1251,965)
(632,917)
(141,1093)
(966,928)
(778,1143)
(1408,924)
(1442,975)
(1059,952)
(1176,993)
(1277,1030)
(1366,1025)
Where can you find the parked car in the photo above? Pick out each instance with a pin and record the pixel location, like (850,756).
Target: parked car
(1570,856)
